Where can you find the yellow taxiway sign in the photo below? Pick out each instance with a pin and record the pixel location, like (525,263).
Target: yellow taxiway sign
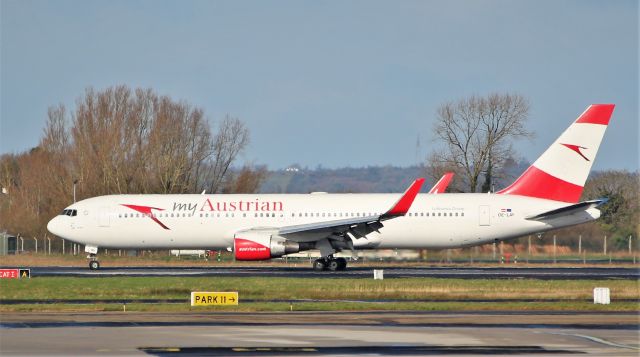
(208,298)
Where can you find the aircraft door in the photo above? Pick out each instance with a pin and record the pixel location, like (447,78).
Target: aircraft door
(104,219)
(484,215)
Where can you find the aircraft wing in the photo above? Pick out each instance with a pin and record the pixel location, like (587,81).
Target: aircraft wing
(567,210)
(442,184)
(357,226)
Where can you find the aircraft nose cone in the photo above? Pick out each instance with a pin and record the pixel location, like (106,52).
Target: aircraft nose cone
(54,227)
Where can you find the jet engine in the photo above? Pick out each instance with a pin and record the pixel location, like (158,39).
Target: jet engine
(264,245)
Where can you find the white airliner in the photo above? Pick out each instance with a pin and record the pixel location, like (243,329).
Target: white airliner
(264,226)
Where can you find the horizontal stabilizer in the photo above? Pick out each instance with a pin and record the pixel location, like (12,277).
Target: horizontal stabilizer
(568,210)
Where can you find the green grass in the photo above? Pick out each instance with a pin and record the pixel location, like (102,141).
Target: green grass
(571,292)
(325,306)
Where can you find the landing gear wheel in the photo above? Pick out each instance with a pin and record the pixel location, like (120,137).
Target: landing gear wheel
(94,265)
(319,265)
(342,263)
(333,265)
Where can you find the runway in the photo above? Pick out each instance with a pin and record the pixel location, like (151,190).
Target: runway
(562,273)
(311,333)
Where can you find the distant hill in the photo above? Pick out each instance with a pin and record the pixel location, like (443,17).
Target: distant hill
(374,179)
(378,179)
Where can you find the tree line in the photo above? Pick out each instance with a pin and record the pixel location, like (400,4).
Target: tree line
(121,140)
(476,136)
(118,141)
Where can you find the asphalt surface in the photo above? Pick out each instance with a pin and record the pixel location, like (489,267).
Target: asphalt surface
(589,273)
(335,334)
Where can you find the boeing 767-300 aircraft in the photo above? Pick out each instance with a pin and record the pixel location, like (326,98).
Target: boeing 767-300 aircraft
(264,226)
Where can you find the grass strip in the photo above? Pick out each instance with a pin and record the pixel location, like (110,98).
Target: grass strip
(324,306)
(569,294)
(257,288)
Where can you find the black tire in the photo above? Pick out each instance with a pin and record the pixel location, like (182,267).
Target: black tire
(333,265)
(319,265)
(94,265)
(342,263)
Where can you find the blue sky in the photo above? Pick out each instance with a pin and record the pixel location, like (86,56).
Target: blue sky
(331,83)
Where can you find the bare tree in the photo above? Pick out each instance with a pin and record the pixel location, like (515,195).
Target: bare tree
(246,180)
(120,140)
(232,137)
(477,134)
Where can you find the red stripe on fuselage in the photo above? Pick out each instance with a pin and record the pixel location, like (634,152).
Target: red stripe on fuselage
(146,210)
(537,183)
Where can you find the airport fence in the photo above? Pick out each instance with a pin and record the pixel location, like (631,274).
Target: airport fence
(533,251)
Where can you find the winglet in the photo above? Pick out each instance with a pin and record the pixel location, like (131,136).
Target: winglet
(404,203)
(442,184)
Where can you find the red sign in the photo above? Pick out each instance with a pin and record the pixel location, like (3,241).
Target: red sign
(9,273)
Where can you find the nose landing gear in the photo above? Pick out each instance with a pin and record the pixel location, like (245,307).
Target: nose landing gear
(94,264)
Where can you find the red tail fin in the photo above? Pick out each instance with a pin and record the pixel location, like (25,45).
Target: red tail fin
(560,172)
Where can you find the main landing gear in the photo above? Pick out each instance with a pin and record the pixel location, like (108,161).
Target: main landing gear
(330,263)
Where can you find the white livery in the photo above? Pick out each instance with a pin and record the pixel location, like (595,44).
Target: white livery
(265,226)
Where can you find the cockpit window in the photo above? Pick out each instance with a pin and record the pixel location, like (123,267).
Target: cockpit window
(69,212)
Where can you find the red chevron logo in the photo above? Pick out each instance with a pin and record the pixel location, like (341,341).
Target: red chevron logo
(146,210)
(577,149)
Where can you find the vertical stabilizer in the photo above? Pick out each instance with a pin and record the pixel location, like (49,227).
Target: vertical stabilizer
(560,172)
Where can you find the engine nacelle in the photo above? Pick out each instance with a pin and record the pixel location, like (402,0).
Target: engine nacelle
(264,245)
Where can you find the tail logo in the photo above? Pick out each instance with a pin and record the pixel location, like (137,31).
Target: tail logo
(146,211)
(577,149)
